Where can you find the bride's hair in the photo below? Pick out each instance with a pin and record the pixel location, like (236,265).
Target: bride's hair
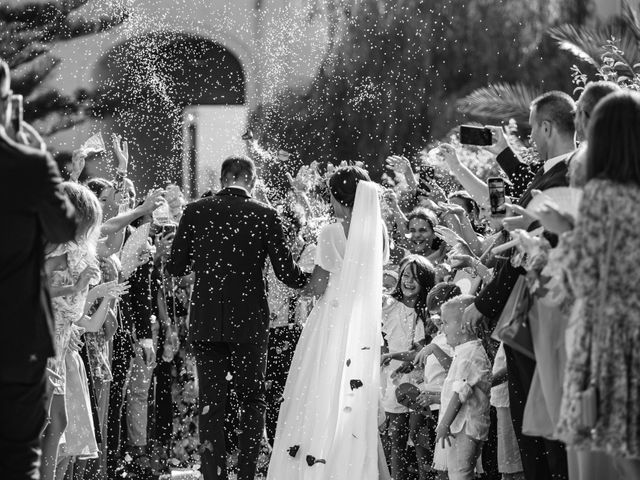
(344,182)
(88,214)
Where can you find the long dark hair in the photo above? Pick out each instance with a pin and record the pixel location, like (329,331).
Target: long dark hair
(344,182)
(425,274)
(613,150)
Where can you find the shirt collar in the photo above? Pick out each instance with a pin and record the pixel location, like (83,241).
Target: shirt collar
(466,345)
(552,162)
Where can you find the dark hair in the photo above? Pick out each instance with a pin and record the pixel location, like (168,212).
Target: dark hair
(429,217)
(97,185)
(425,274)
(614,143)
(558,108)
(594,92)
(440,293)
(470,204)
(344,182)
(233,168)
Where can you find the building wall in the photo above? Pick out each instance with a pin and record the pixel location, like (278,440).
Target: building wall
(274,40)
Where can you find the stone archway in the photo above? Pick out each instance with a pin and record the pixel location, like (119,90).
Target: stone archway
(146,83)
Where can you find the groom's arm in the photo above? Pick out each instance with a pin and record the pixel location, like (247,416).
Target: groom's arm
(181,255)
(285,268)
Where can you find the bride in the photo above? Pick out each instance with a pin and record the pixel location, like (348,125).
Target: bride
(327,427)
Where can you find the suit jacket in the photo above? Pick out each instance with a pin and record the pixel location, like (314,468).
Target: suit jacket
(492,299)
(35,210)
(225,239)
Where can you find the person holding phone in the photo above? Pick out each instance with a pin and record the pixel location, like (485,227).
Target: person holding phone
(552,133)
(35,209)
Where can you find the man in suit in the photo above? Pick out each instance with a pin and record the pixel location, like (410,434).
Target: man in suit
(552,132)
(225,239)
(34,211)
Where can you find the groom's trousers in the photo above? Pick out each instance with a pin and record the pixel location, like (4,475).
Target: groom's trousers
(246,364)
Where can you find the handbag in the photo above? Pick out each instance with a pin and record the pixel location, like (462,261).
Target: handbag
(587,400)
(512,327)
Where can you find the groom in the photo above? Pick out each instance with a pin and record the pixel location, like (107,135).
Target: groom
(225,239)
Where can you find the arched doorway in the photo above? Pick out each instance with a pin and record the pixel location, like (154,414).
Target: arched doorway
(148,81)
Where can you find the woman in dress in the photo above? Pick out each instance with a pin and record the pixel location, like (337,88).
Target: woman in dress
(602,376)
(71,268)
(327,428)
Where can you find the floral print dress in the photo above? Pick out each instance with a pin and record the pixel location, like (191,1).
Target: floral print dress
(605,321)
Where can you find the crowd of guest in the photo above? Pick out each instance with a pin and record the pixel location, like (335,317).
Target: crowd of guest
(510,341)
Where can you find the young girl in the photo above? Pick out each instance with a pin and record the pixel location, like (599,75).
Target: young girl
(71,268)
(403,316)
(464,417)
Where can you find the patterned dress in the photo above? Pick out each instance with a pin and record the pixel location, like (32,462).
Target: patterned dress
(605,321)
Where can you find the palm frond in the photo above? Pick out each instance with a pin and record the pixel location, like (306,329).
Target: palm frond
(500,101)
(588,44)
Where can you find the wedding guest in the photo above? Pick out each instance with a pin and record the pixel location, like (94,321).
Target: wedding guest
(601,391)
(71,267)
(403,316)
(593,92)
(45,214)
(551,119)
(435,359)
(422,238)
(463,425)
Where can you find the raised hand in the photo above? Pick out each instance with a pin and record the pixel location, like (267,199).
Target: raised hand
(500,137)
(121,148)
(153,201)
(77,163)
(89,274)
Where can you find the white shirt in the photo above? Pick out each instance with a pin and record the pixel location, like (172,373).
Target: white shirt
(434,372)
(470,377)
(500,393)
(552,162)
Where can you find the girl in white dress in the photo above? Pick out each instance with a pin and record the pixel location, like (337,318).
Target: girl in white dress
(327,427)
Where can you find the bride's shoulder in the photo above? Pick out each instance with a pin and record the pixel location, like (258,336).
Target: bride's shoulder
(331,231)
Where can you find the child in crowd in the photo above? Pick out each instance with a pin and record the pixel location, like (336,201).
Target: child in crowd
(403,316)
(435,360)
(464,417)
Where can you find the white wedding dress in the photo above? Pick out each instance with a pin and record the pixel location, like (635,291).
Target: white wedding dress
(330,408)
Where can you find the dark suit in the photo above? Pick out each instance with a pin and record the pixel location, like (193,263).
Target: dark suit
(225,239)
(34,211)
(490,302)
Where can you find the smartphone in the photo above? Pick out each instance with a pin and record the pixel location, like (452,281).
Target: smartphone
(475,135)
(168,229)
(497,197)
(16,112)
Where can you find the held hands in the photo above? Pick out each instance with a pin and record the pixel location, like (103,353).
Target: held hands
(75,338)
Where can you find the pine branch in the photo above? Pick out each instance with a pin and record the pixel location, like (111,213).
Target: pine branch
(500,102)
(39,14)
(29,76)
